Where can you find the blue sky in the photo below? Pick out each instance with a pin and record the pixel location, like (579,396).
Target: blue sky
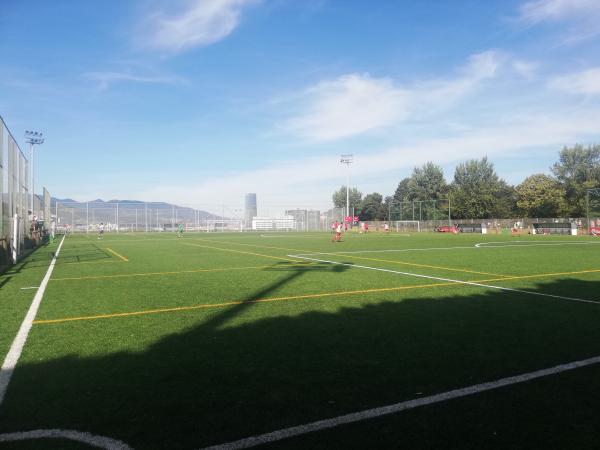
(199,101)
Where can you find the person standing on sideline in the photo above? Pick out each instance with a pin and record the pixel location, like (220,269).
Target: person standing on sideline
(101,230)
(180,230)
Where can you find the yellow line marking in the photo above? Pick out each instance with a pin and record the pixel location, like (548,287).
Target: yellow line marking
(452,269)
(116,254)
(246,253)
(362,257)
(301,297)
(148,274)
(239,302)
(541,275)
(254,245)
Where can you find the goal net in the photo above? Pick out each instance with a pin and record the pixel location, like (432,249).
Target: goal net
(408,226)
(593,211)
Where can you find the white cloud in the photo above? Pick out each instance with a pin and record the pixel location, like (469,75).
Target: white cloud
(355,104)
(582,16)
(309,182)
(105,79)
(586,82)
(526,69)
(200,23)
(349,105)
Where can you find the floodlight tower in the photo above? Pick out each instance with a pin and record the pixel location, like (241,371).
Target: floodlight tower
(347,159)
(33,138)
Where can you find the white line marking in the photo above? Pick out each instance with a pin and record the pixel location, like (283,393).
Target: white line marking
(398,407)
(469,283)
(462,247)
(18,343)
(295,237)
(29,287)
(389,250)
(529,244)
(72,435)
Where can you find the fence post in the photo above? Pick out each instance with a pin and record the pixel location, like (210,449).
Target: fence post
(87,217)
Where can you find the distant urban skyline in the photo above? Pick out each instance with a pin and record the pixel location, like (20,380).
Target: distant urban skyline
(197,103)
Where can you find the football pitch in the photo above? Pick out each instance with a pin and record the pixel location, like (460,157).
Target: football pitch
(288,340)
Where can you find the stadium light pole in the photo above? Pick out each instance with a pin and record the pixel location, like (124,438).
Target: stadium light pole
(347,159)
(33,138)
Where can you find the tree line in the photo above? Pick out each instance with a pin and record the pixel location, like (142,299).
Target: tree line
(477,192)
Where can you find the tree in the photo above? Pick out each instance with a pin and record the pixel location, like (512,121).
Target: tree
(372,207)
(401,193)
(540,195)
(478,192)
(577,170)
(339,198)
(427,183)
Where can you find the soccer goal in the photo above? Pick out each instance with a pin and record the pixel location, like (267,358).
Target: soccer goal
(408,226)
(593,211)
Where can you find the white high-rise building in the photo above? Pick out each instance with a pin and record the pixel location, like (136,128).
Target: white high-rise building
(250,210)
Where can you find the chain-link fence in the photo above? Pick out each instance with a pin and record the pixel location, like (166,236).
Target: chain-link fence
(134,216)
(14,189)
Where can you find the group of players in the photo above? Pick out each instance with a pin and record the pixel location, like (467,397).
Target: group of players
(337,228)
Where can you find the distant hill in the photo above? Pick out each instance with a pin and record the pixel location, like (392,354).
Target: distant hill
(100,208)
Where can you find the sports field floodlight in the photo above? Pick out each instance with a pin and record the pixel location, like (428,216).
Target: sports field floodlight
(33,138)
(347,159)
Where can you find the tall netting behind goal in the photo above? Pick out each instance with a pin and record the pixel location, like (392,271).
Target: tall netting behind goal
(428,214)
(593,211)
(407,226)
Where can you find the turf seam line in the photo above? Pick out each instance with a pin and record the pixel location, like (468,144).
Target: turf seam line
(13,355)
(72,435)
(469,283)
(360,416)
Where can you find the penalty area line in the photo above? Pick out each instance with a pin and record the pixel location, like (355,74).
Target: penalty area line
(10,362)
(367,414)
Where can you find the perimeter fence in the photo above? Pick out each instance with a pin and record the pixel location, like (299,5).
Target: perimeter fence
(134,216)
(14,183)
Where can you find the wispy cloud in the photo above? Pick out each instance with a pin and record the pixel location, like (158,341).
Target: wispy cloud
(355,104)
(582,17)
(349,105)
(105,79)
(586,82)
(308,182)
(199,23)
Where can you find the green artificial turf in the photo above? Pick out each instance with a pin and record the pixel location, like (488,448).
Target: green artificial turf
(182,343)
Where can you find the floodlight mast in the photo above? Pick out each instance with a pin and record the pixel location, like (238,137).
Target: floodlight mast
(33,138)
(347,159)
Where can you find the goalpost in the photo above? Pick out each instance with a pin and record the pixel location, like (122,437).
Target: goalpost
(408,226)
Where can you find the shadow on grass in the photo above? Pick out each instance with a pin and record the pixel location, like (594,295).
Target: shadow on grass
(42,256)
(300,362)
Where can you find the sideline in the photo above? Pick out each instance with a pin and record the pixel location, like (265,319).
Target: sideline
(18,343)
